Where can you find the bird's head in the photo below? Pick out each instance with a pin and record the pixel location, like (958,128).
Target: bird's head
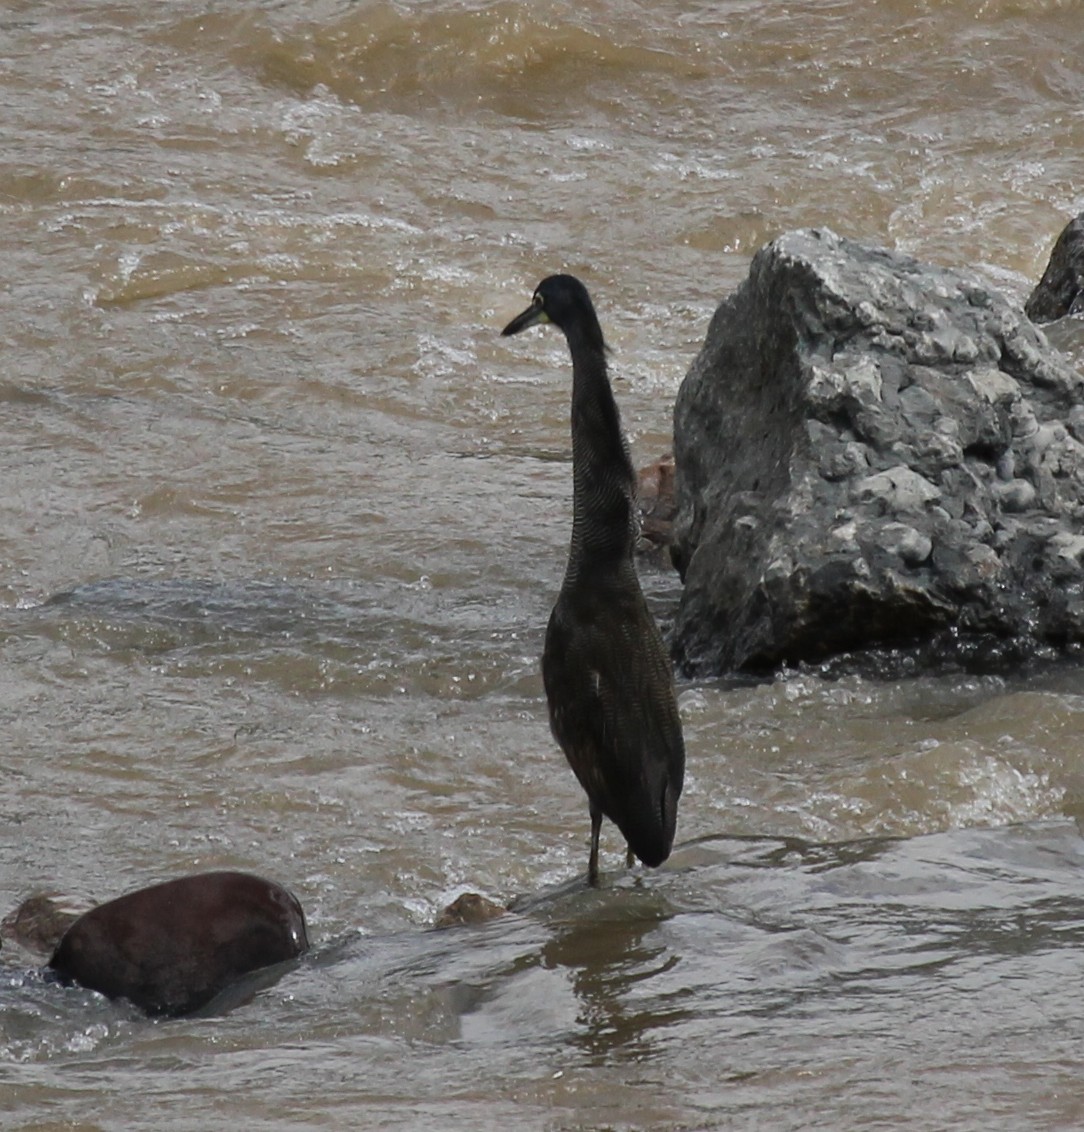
(560,299)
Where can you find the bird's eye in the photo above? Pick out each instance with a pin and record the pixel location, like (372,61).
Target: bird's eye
(539,301)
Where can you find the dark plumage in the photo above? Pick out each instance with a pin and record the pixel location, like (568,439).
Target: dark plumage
(607,673)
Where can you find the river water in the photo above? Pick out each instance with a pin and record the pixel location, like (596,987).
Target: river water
(283,517)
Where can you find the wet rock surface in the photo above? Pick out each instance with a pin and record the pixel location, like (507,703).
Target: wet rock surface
(871,451)
(469,908)
(171,948)
(1060,292)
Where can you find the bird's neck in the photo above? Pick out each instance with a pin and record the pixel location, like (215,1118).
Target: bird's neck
(603,486)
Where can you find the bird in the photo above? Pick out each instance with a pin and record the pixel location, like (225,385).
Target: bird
(607,673)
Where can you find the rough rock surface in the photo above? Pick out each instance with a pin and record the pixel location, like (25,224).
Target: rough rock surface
(1060,292)
(873,451)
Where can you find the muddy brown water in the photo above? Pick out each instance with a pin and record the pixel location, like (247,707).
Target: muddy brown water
(308,513)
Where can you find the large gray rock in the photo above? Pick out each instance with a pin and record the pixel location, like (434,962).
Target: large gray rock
(873,451)
(1060,292)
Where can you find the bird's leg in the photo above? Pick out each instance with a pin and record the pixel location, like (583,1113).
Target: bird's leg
(630,858)
(592,861)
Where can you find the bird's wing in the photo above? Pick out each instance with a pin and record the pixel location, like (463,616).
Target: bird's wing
(612,707)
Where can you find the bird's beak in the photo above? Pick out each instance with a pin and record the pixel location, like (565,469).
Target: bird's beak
(532,316)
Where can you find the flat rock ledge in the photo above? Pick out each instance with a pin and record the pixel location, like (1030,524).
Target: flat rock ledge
(874,452)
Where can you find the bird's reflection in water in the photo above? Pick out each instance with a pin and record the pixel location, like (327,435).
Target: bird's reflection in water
(612,952)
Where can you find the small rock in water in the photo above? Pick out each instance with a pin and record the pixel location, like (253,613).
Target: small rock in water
(172,947)
(42,919)
(470,908)
(655,499)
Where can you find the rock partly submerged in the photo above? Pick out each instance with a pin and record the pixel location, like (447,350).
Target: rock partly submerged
(873,451)
(469,908)
(40,921)
(205,940)
(170,949)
